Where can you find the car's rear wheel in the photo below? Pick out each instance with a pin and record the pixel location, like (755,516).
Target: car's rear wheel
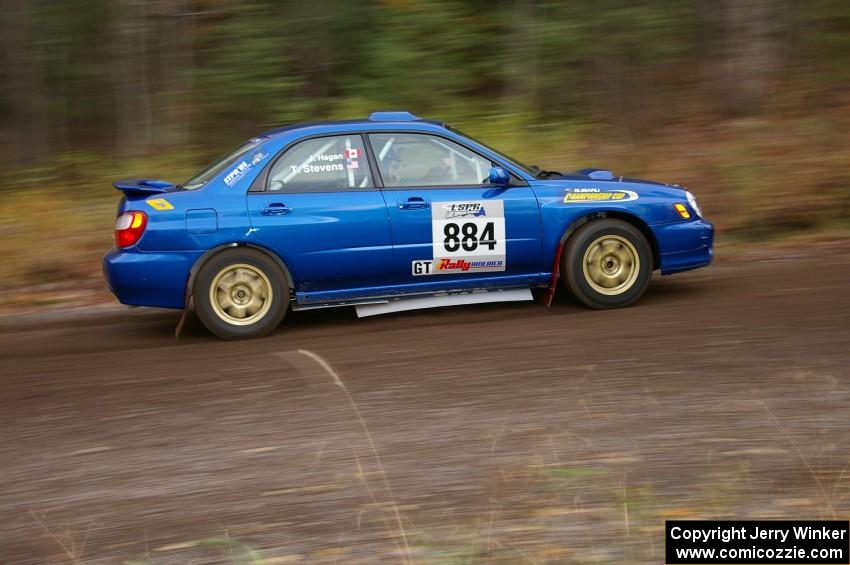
(607,264)
(241,293)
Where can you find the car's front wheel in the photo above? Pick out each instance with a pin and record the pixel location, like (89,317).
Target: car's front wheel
(240,293)
(607,264)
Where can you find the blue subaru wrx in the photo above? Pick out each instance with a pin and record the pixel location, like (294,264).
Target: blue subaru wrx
(390,213)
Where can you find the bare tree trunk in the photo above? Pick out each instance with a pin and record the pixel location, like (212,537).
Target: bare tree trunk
(27,132)
(752,34)
(520,81)
(134,112)
(314,47)
(324,50)
(616,87)
(60,96)
(171,105)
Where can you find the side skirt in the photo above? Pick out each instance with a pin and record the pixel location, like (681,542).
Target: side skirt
(476,297)
(301,307)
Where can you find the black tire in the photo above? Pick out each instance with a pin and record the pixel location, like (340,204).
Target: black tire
(241,263)
(604,235)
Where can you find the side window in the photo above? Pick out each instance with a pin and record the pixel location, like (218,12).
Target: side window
(426,160)
(323,163)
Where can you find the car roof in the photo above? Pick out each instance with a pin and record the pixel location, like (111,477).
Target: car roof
(375,121)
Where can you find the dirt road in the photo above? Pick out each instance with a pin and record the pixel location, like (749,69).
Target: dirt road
(499,433)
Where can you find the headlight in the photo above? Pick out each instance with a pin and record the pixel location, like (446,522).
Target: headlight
(692,200)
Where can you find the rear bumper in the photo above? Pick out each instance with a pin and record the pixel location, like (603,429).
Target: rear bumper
(684,246)
(138,278)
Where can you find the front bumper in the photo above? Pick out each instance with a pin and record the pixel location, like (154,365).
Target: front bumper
(139,278)
(685,245)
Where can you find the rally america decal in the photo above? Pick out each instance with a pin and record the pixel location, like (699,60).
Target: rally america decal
(598,195)
(468,237)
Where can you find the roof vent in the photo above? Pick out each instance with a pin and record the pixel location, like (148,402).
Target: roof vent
(392,117)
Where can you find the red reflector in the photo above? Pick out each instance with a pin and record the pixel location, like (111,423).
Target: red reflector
(129,228)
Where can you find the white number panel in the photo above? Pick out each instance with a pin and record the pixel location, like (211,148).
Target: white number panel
(468,237)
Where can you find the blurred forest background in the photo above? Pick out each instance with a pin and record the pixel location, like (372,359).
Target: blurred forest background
(745,102)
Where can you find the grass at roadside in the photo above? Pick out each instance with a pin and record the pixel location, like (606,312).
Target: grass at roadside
(543,514)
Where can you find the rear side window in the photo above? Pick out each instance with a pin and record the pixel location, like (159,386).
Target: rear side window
(323,163)
(426,160)
(211,171)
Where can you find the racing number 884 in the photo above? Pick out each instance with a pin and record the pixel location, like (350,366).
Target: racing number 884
(467,236)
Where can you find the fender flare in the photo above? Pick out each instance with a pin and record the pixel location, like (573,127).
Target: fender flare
(624,216)
(190,281)
(587,218)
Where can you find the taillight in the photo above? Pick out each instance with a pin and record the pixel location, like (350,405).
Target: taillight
(129,228)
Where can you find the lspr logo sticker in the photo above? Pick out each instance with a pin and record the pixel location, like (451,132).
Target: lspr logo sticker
(464,210)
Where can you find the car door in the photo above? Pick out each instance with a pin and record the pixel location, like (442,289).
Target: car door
(320,211)
(450,227)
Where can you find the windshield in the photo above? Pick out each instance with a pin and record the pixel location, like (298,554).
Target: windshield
(218,165)
(518,164)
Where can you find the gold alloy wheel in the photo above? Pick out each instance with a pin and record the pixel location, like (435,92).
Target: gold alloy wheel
(241,294)
(611,265)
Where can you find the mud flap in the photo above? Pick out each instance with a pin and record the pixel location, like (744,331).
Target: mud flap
(553,279)
(187,297)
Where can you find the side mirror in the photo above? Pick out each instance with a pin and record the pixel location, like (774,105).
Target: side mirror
(499,176)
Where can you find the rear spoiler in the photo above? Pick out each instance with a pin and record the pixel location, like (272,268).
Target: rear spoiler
(142,187)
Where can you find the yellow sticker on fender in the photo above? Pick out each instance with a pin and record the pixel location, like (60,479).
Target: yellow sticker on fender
(596,195)
(160,204)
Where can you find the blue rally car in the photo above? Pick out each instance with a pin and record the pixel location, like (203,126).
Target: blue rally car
(390,213)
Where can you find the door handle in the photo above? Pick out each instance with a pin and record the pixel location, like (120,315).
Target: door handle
(414,203)
(276,209)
